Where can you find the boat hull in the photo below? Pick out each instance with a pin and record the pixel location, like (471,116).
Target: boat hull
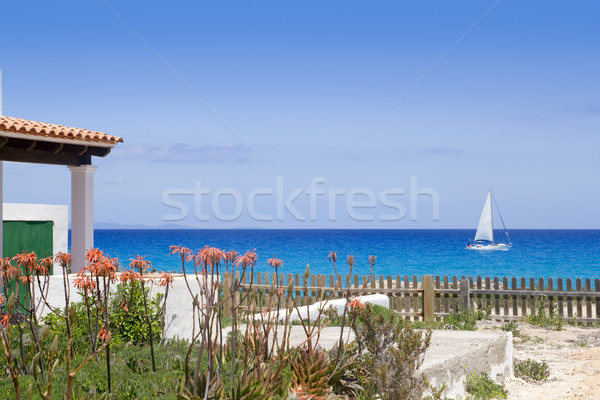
(490,247)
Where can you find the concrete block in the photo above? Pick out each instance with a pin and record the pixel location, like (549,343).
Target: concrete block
(452,355)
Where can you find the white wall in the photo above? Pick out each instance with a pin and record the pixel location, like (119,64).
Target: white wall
(178,314)
(42,212)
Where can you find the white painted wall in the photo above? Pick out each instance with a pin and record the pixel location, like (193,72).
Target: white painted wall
(42,212)
(178,314)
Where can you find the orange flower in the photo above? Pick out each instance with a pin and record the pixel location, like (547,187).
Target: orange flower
(93,255)
(355,304)
(183,251)
(27,260)
(5,320)
(166,279)
(124,277)
(5,263)
(333,257)
(140,264)
(247,259)
(13,272)
(251,255)
(25,279)
(102,335)
(351,261)
(2,299)
(275,262)
(44,265)
(130,276)
(211,256)
(80,282)
(231,256)
(191,257)
(372,260)
(63,259)
(104,266)
(84,283)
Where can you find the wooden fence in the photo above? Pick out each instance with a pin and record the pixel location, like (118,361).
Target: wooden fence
(433,297)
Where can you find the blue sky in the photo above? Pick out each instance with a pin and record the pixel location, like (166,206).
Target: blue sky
(242,95)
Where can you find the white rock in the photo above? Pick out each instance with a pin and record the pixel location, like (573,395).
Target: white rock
(312,311)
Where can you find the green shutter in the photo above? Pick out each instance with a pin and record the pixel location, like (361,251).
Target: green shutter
(20,236)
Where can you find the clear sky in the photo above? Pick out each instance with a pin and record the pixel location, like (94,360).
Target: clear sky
(245,100)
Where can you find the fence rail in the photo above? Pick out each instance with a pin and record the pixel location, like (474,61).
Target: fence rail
(431,297)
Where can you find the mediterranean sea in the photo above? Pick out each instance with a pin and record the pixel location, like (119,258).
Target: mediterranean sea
(535,253)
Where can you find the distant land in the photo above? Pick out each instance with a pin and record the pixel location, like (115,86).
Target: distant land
(112,225)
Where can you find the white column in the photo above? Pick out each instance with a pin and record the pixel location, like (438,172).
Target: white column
(82,213)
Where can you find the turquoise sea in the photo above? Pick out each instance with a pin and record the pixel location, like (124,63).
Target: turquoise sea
(536,253)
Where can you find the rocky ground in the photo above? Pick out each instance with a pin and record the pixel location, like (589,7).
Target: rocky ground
(573,357)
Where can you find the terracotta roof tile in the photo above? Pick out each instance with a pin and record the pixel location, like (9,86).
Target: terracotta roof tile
(34,128)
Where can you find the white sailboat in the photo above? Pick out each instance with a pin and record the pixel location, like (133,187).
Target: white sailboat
(484,237)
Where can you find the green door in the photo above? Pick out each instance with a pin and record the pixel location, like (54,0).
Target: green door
(20,236)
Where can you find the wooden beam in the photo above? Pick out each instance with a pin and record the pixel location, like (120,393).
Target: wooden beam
(18,143)
(52,147)
(43,157)
(75,149)
(83,151)
(99,151)
(32,145)
(46,152)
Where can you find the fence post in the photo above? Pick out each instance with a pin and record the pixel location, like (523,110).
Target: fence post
(428,298)
(227,294)
(465,297)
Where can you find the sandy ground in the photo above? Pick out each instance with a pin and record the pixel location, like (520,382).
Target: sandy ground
(573,357)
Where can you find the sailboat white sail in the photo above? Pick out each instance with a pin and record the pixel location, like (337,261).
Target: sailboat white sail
(484,237)
(485,229)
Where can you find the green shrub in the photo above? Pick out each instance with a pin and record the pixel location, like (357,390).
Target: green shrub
(390,352)
(131,369)
(463,320)
(384,312)
(532,370)
(466,320)
(331,317)
(128,316)
(482,387)
(511,327)
(81,327)
(545,318)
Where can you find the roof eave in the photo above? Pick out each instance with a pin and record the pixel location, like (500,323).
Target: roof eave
(26,136)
